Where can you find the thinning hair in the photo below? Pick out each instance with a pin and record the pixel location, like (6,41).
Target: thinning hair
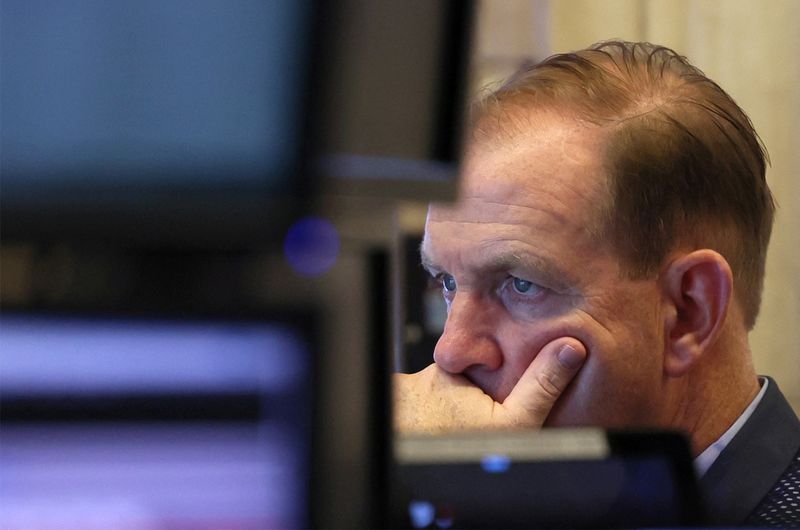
(686,167)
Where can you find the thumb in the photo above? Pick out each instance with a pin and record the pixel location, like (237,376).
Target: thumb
(543,382)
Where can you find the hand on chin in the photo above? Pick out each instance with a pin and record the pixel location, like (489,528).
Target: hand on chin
(435,401)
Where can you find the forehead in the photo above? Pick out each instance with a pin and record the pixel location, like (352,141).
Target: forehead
(534,193)
(537,162)
(540,140)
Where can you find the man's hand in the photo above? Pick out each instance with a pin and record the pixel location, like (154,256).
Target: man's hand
(434,401)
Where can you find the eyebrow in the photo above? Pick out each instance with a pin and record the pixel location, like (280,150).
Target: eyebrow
(427,263)
(547,271)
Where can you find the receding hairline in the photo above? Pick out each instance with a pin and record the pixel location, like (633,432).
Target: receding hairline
(500,111)
(517,121)
(636,89)
(512,118)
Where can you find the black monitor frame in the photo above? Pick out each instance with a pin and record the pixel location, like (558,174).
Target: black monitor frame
(570,478)
(432,172)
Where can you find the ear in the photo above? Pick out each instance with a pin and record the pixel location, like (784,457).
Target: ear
(698,288)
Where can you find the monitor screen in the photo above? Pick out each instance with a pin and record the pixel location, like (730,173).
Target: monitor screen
(151,93)
(136,110)
(127,422)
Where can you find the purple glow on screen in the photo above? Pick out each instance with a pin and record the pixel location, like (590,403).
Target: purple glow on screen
(87,356)
(241,476)
(154,474)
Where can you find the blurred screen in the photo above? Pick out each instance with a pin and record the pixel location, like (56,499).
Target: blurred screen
(145,423)
(151,94)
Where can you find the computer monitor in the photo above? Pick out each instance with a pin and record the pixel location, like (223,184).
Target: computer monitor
(554,478)
(179,123)
(125,421)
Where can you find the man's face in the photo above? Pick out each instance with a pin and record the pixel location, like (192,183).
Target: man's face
(520,267)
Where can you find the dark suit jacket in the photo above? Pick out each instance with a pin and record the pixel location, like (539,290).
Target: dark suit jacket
(747,475)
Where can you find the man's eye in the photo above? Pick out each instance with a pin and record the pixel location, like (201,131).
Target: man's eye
(448,283)
(525,287)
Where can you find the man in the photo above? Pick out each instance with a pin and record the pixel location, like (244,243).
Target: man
(604,266)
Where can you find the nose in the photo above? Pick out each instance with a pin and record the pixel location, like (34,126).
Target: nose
(468,340)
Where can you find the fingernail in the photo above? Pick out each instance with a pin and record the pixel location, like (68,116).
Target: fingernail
(570,357)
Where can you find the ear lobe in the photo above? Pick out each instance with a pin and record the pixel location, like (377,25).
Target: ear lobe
(698,287)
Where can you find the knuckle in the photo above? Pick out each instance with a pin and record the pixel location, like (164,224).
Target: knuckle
(549,384)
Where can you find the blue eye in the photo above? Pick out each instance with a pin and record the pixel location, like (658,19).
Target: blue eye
(448,283)
(522,286)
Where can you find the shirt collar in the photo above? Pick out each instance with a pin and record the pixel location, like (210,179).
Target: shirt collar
(705,459)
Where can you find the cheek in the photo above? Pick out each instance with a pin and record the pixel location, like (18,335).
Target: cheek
(521,344)
(620,383)
(603,396)
(623,367)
